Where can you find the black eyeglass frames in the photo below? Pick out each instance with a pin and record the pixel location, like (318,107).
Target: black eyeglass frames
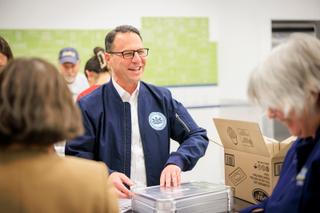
(129,54)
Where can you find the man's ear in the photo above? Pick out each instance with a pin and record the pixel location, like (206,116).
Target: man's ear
(107,56)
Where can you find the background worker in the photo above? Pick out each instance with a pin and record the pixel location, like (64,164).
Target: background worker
(69,64)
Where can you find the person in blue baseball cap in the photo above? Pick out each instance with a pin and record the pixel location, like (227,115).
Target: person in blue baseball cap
(69,61)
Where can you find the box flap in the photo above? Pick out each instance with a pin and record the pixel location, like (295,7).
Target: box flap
(272,145)
(241,135)
(285,145)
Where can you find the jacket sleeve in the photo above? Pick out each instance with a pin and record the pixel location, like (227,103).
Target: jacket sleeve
(83,146)
(87,145)
(193,140)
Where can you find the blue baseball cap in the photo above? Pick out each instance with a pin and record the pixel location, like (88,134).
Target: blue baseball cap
(68,55)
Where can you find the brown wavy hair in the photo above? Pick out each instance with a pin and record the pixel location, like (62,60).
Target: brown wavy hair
(36,106)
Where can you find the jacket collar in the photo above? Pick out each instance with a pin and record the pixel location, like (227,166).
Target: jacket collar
(124,95)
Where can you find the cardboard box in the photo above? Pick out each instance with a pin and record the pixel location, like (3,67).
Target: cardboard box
(252,162)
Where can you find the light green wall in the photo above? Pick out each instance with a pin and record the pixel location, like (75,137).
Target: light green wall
(47,43)
(180,50)
(181,53)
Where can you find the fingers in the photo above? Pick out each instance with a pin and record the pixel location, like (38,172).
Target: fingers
(179,178)
(168,180)
(162,178)
(175,179)
(126,180)
(123,191)
(170,176)
(121,194)
(119,180)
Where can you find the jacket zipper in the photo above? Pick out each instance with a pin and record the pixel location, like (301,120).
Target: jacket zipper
(182,123)
(125,139)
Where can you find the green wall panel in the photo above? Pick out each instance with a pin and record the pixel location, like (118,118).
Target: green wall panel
(180,50)
(47,43)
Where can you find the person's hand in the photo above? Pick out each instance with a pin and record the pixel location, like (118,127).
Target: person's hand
(170,176)
(119,179)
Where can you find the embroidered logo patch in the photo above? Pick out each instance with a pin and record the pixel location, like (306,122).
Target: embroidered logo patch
(157,120)
(301,176)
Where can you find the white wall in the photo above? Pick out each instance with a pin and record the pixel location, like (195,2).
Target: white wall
(242,29)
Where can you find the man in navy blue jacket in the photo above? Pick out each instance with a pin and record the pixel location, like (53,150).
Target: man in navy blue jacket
(129,123)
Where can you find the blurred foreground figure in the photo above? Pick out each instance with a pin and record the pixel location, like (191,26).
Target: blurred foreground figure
(37,110)
(287,85)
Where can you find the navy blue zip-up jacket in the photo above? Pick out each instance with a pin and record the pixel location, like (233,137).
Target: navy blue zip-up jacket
(107,138)
(298,187)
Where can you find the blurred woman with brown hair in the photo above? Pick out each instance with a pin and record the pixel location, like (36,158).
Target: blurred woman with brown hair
(37,110)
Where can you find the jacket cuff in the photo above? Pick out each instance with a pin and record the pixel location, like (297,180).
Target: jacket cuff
(176,160)
(110,171)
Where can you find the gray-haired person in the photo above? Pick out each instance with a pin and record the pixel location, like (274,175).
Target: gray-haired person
(287,85)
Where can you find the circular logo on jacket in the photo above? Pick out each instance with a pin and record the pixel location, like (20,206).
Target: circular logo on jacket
(157,120)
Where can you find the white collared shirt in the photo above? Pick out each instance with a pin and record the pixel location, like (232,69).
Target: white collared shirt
(138,168)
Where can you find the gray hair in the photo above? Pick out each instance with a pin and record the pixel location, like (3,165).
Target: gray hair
(288,76)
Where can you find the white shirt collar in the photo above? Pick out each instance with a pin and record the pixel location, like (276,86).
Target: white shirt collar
(125,96)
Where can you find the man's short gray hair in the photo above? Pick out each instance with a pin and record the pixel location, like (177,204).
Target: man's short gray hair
(288,76)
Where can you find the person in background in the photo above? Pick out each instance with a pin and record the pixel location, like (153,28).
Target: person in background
(5,52)
(287,85)
(69,62)
(96,71)
(129,123)
(36,110)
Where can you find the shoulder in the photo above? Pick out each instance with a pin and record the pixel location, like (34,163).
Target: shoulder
(292,149)
(90,180)
(156,90)
(92,100)
(86,165)
(74,167)
(87,91)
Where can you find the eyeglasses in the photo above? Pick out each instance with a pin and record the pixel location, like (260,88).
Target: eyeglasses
(129,54)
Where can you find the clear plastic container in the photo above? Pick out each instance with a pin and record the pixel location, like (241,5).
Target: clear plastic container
(190,197)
